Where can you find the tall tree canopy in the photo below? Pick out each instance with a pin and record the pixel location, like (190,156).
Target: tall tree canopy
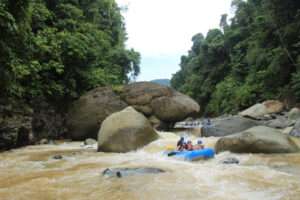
(255,57)
(59,49)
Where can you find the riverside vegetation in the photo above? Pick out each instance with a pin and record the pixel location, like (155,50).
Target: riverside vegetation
(252,59)
(60,49)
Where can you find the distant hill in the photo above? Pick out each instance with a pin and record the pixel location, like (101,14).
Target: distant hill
(165,82)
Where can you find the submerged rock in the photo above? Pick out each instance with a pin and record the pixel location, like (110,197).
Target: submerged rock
(58,157)
(123,172)
(231,160)
(125,131)
(258,139)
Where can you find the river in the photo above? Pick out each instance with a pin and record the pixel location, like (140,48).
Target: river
(31,173)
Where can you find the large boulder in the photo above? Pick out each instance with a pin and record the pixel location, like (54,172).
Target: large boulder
(258,139)
(125,131)
(261,109)
(88,112)
(228,126)
(175,108)
(164,103)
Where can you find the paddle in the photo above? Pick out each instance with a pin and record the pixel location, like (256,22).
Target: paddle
(173,153)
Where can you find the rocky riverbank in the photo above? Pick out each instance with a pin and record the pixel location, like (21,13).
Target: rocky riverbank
(267,127)
(24,123)
(132,114)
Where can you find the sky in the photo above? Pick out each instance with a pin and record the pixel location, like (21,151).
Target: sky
(161,30)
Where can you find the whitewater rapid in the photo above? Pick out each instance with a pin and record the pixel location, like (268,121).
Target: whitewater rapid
(32,173)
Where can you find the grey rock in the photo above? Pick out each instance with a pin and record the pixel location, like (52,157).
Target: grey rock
(231,160)
(262,109)
(228,126)
(58,157)
(280,122)
(123,172)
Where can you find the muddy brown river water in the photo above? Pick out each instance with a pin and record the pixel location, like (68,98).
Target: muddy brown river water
(31,173)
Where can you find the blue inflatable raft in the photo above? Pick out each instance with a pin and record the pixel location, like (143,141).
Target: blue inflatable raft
(193,155)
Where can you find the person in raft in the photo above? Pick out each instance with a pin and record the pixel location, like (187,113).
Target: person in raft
(181,145)
(199,145)
(189,146)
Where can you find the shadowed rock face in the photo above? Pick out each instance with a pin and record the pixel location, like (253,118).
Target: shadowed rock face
(228,126)
(15,127)
(123,172)
(88,112)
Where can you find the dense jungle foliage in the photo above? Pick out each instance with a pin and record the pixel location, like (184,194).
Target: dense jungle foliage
(253,58)
(58,49)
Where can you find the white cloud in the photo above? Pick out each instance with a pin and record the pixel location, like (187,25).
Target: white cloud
(165,27)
